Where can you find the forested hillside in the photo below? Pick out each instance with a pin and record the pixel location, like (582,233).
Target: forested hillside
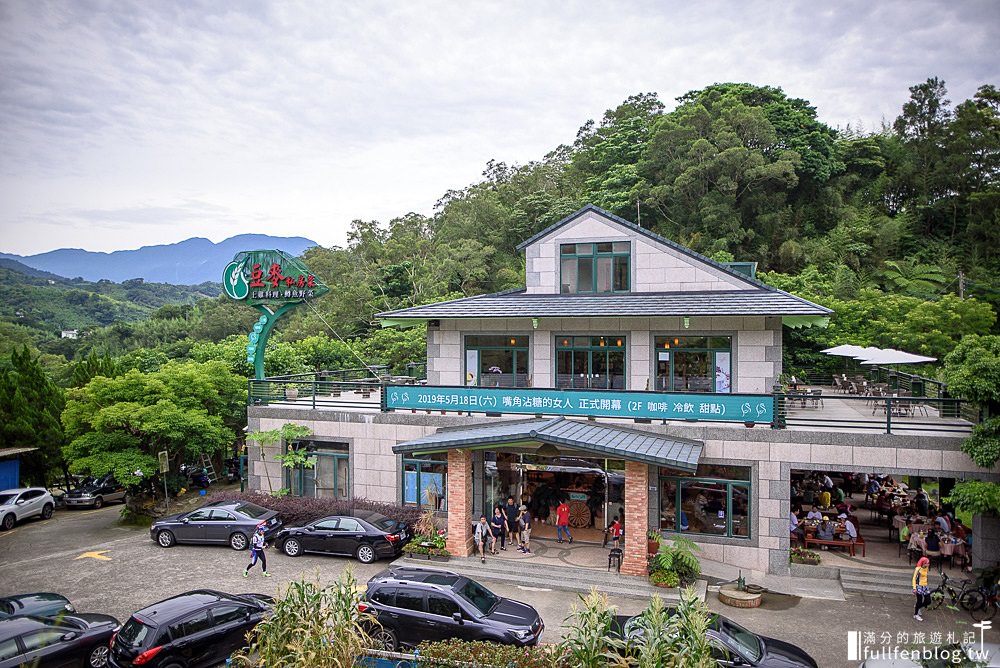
(895,228)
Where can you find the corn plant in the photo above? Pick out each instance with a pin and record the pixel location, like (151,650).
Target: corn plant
(590,642)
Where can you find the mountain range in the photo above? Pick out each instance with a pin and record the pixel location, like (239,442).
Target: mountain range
(187,262)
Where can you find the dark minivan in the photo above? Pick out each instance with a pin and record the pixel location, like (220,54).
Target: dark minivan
(199,628)
(417,604)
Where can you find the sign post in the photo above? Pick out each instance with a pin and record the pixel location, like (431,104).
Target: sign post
(164,468)
(272,282)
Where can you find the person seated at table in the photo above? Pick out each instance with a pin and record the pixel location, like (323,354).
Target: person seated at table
(808,494)
(684,522)
(871,492)
(824,499)
(905,531)
(814,514)
(825,530)
(841,495)
(942,523)
(795,530)
(827,482)
(849,528)
(932,542)
(958,529)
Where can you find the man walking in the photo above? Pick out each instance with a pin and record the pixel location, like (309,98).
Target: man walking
(513,531)
(562,522)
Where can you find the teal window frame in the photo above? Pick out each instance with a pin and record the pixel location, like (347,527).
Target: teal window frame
(577,254)
(599,345)
(665,343)
(517,351)
(678,482)
(302,475)
(419,464)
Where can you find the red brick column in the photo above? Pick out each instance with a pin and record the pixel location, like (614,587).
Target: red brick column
(460,502)
(636,518)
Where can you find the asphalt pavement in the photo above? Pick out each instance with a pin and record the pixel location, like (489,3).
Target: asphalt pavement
(102,566)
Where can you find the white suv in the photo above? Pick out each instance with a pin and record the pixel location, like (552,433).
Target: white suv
(17,505)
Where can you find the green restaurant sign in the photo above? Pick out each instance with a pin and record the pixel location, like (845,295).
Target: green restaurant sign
(615,404)
(273,282)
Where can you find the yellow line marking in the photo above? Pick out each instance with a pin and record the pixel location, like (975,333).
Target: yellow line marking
(97,554)
(7,533)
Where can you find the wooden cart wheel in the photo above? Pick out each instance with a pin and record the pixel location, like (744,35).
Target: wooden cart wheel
(579,515)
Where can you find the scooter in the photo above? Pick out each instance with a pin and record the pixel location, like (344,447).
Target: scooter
(232,467)
(197,476)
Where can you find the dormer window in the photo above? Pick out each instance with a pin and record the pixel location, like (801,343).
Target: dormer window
(595,268)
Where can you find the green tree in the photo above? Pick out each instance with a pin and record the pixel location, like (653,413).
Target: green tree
(30,406)
(120,424)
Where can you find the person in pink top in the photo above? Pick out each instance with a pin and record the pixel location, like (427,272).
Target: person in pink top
(562,522)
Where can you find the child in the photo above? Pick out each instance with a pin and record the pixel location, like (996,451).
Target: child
(616,532)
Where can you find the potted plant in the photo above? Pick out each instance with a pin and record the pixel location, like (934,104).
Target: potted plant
(800,555)
(665,579)
(652,542)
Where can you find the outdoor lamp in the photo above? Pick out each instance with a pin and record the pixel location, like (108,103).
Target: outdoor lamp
(687,322)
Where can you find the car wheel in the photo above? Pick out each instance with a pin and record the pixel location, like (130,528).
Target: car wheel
(166,538)
(47,511)
(384,639)
(238,541)
(8,522)
(366,554)
(292,547)
(98,657)
(98,502)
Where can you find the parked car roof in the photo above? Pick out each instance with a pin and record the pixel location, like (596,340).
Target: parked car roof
(182,603)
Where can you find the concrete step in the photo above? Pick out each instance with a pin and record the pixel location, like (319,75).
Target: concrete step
(548,577)
(895,581)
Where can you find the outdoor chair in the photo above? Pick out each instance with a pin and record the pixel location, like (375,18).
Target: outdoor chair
(816,398)
(615,559)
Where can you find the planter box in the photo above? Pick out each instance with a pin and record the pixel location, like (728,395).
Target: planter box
(806,562)
(437,557)
(652,547)
(420,556)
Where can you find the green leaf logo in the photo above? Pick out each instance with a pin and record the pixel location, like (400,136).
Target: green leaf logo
(234,282)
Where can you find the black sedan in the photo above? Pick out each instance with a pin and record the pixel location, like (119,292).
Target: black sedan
(42,604)
(199,628)
(363,534)
(222,522)
(734,645)
(73,640)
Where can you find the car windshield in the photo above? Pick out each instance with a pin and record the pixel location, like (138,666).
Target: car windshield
(134,633)
(746,642)
(7,498)
(482,598)
(252,510)
(381,522)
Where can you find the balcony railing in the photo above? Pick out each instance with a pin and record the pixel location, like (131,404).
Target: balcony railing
(814,409)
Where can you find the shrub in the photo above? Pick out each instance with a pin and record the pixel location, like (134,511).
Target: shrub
(665,578)
(489,654)
(679,556)
(299,510)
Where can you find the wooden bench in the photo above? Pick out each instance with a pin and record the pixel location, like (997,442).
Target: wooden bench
(833,543)
(859,541)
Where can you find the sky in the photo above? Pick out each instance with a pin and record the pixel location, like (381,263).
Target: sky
(126,124)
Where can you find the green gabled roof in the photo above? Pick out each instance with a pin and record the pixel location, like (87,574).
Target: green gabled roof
(595,437)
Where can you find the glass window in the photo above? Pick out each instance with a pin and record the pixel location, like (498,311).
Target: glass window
(704,505)
(252,510)
(8,649)
(410,600)
(41,638)
(438,604)
(482,598)
(200,515)
(196,623)
(222,516)
(230,612)
(594,268)
(497,360)
(134,633)
(385,596)
(591,362)
(327,525)
(694,364)
(425,481)
(349,524)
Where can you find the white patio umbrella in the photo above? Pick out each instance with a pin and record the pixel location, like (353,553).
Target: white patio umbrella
(892,356)
(866,353)
(844,350)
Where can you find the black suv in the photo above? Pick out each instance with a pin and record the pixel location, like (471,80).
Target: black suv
(199,628)
(417,604)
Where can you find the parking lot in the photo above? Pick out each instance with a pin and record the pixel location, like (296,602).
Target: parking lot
(104,567)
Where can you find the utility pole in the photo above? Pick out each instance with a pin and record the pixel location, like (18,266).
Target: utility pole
(961,284)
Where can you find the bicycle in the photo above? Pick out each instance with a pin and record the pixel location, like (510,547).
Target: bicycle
(959,598)
(990,604)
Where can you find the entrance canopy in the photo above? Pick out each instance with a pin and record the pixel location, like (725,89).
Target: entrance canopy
(600,439)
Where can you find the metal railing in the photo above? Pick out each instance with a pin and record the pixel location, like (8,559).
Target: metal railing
(824,410)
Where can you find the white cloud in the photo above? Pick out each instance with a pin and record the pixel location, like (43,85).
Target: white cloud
(123,124)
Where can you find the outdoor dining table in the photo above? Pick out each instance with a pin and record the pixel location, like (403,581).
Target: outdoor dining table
(919,524)
(948,548)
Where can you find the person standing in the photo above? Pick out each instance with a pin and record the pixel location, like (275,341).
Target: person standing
(616,532)
(498,526)
(524,525)
(482,536)
(920,588)
(510,512)
(257,547)
(562,522)
(923,503)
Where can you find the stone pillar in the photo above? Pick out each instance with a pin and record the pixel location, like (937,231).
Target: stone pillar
(636,518)
(460,502)
(985,540)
